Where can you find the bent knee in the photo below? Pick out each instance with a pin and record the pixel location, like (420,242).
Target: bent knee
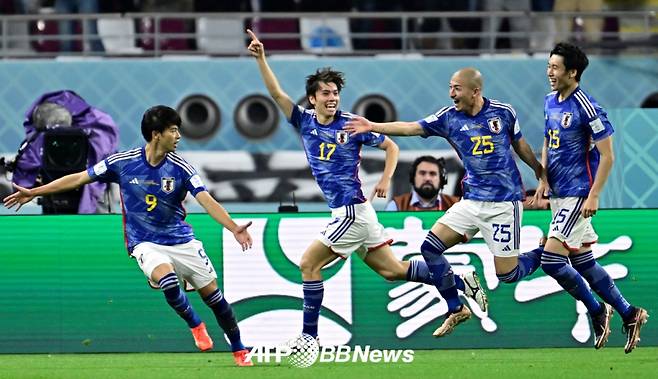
(309,266)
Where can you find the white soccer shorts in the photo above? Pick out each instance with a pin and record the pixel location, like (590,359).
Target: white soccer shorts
(568,224)
(354,228)
(189,260)
(498,221)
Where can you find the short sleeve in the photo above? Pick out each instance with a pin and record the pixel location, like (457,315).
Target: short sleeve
(372,139)
(298,116)
(435,124)
(195,184)
(104,171)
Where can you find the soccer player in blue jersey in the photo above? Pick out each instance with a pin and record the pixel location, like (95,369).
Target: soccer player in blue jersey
(483,132)
(578,157)
(154,180)
(334,157)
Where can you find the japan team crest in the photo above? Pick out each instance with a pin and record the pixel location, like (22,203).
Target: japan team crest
(342,137)
(566,119)
(495,125)
(167,184)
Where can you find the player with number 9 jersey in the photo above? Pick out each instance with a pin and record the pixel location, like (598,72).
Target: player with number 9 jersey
(153,181)
(151,196)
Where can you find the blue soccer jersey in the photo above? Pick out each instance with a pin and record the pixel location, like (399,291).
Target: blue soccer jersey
(572,127)
(484,143)
(151,196)
(334,155)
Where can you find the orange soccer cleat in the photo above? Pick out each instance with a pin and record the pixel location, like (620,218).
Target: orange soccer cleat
(201,337)
(240,358)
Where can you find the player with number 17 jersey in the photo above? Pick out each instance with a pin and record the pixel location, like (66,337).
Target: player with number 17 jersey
(483,142)
(334,155)
(151,196)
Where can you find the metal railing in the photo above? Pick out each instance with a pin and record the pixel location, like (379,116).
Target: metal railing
(426,33)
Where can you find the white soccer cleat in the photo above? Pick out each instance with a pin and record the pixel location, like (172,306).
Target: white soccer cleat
(473,289)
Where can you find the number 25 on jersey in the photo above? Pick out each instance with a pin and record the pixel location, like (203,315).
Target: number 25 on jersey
(482,145)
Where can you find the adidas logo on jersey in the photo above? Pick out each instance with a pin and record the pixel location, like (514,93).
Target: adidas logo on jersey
(134,181)
(507,248)
(464,128)
(314,132)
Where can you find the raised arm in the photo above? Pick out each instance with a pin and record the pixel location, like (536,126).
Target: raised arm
(219,214)
(390,162)
(602,172)
(63,184)
(358,125)
(282,99)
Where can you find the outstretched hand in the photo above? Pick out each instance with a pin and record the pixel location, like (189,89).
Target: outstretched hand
(255,47)
(18,198)
(357,125)
(242,236)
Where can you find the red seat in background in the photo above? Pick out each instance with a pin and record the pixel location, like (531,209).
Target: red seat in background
(167,26)
(278,25)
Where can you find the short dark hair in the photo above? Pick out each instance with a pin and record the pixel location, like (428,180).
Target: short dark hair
(440,163)
(326,75)
(157,119)
(574,57)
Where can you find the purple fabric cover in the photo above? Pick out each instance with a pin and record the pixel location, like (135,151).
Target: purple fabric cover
(103,140)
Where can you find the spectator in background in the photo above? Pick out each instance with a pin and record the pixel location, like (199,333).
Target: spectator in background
(120,6)
(267,26)
(543,33)
(222,6)
(427,177)
(376,25)
(491,25)
(171,26)
(465,25)
(591,26)
(92,41)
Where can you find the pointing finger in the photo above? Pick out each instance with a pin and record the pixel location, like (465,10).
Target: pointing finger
(252,35)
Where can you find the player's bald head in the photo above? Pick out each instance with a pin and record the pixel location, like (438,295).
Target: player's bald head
(469,77)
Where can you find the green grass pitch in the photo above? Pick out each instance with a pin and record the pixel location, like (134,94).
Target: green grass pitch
(610,362)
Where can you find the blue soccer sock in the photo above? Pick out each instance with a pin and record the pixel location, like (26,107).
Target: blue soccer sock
(225,318)
(419,272)
(313,294)
(557,266)
(440,271)
(527,264)
(601,282)
(178,300)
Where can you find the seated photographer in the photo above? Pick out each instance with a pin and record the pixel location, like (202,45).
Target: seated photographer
(427,177)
